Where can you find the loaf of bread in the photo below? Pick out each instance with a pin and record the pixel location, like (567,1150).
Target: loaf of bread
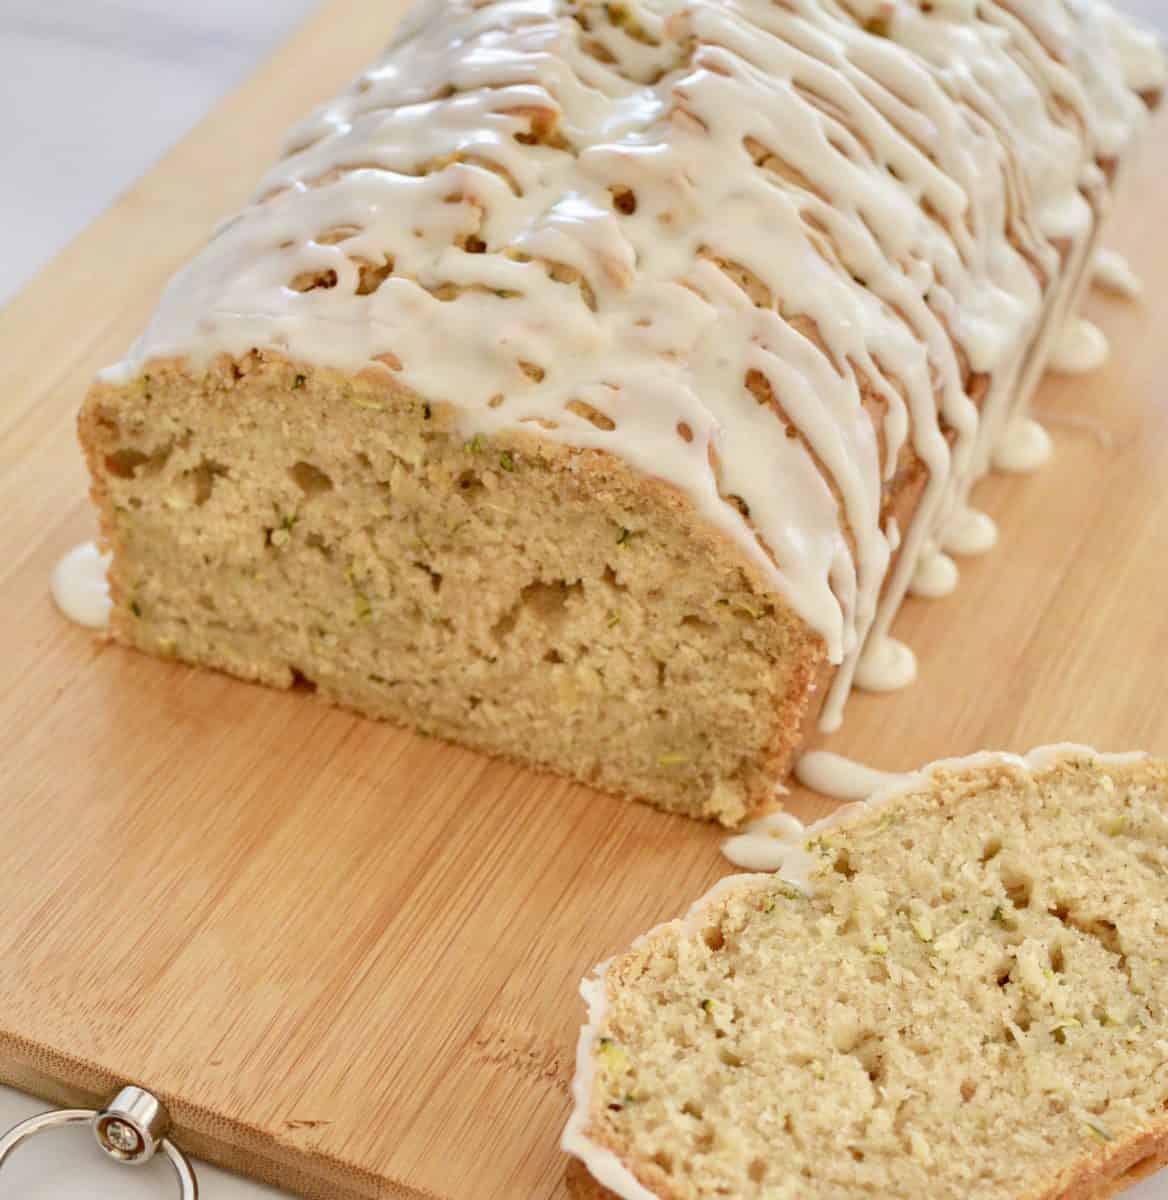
(958,989)
(587,380)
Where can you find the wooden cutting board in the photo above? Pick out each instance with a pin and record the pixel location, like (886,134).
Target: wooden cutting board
(345,956)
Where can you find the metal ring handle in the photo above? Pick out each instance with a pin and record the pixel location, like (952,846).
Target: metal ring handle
(131,1129)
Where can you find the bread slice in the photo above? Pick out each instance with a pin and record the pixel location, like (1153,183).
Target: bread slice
(956,989)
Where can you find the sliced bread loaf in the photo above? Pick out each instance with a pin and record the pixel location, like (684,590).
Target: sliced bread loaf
(587,380)
(958,988)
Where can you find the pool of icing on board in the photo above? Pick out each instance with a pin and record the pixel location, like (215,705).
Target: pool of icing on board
(80,588)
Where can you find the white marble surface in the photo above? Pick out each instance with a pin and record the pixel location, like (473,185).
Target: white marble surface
(91,93)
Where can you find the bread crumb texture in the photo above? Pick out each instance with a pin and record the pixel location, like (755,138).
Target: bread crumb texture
(309,528)
(973,1001)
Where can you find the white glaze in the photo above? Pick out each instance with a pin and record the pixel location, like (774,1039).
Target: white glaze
(1139,51)
(761,846)
(603,1165)
(885,666)
(969,531)
(794,866)
(1112,272)
(837,777)
(1024,446)
(80,588)
(905,158)
(1081,347)
(936,574)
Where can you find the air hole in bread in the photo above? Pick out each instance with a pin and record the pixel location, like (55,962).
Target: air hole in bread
(470,484)
(870,1054)
(315,542)
(610,579)
(546,602)
(1018,886)
(506,623)
(312,481)
(713,936)
(435,577)
(697,624)
(202,479)
(301,682)
(134,464)
(124,463)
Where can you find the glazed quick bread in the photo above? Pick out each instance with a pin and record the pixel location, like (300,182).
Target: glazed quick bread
(958,989)
(588,380)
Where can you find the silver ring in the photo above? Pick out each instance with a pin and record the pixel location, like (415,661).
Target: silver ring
(131,1129)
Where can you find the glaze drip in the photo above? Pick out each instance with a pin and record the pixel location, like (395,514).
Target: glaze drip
(838,778)
(1023,446)
(936,574)
(969,531)
(79,586)
(1112,272)
(1080,348)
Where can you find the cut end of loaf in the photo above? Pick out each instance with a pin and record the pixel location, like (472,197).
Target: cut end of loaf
(309,529)
(971,1000)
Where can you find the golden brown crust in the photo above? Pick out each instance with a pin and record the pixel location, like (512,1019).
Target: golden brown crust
(1136,1159)
(1113,1171)
(581,1185)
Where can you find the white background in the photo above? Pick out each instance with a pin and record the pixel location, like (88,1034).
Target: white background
(91,93)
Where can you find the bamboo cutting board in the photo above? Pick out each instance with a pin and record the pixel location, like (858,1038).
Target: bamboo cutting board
(346,956)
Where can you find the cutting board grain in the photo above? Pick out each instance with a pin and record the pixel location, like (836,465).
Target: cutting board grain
(345,956)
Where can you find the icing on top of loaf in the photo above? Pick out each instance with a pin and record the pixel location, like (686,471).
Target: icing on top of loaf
(761,249)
